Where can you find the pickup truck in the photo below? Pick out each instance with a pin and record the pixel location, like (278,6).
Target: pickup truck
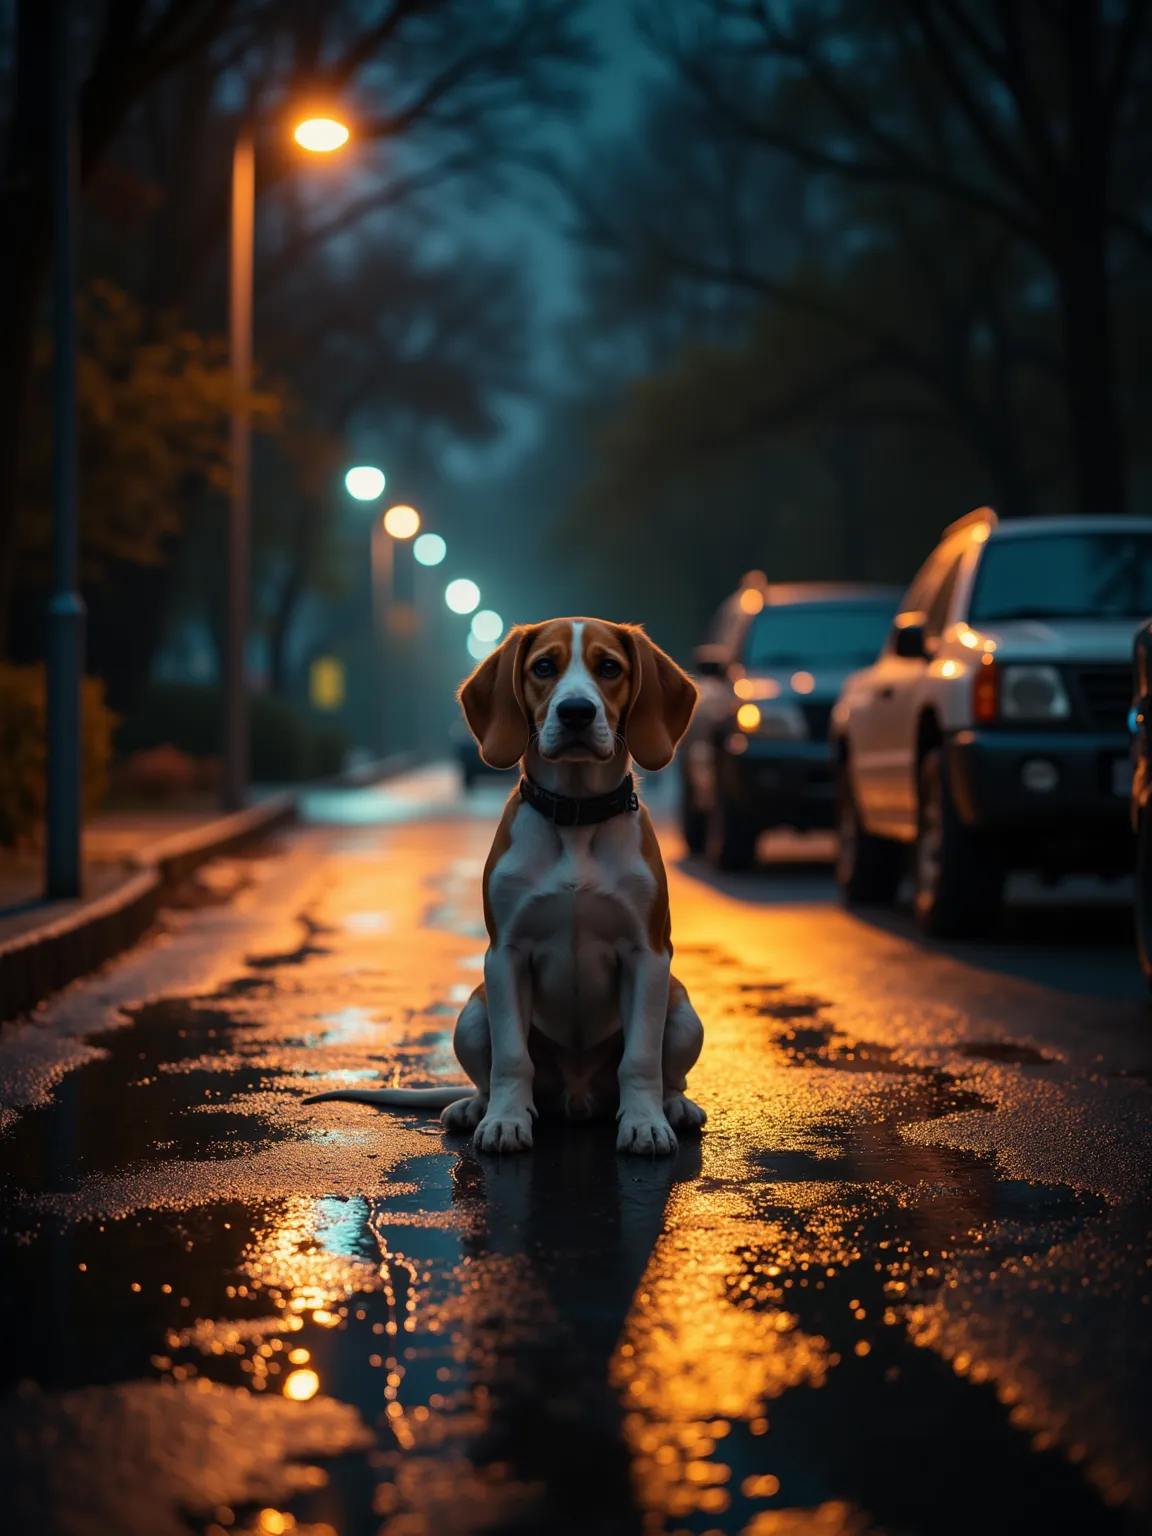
(991,733)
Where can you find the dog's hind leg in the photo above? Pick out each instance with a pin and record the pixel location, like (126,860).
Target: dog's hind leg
(683,1040)
(472,1043)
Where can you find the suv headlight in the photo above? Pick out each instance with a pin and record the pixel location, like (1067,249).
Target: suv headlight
(779,719)
(1033,693)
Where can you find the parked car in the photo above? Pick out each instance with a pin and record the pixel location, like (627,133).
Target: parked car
(757,754)
(990,735)
(467,753)
(1140,727)
(715,706)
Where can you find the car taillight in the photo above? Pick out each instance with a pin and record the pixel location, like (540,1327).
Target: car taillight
(986,692)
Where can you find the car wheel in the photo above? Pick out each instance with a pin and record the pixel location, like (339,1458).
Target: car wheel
(959,887)
(693,820)
(731,836)
(868,868)
(1144,896)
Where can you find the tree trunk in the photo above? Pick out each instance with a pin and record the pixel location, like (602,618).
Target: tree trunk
(1093,408)
(301,550)
(280,632)
(26,219)
(1097,449)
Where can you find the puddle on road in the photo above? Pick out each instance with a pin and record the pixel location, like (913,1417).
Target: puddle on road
(753,1337)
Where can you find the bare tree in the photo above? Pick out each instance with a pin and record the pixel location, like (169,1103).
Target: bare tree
(1028,117)
(458,72)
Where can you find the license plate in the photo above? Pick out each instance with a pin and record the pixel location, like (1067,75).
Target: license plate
(1122,776)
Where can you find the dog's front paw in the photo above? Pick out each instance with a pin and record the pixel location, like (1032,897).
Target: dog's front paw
(464,1114)
(504,1133)
(645,1132)
(682,1114)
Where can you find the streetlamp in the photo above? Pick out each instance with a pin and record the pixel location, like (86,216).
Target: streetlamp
(430,549)
(396,615)
(462,595)
(364,482)
(319,135)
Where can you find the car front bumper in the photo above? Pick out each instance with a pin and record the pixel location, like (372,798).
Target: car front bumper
(779,783)
(1043,787)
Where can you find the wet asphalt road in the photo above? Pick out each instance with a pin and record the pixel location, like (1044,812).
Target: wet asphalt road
(900,1285)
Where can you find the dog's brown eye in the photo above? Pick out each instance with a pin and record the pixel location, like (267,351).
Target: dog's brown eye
(544,666)
(610,667)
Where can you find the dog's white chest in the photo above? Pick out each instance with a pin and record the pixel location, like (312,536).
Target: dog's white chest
(576,903)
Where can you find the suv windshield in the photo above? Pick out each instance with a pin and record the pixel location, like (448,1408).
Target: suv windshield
(1065,576)
(844,635)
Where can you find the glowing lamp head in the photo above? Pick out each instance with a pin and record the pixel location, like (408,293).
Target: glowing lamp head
(364,482)
(462,595)
(429,549)
(478,648)
(401,522)
(321,135)
(487,626)
(747,717)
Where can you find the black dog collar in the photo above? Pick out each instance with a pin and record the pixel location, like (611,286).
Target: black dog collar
(576,811)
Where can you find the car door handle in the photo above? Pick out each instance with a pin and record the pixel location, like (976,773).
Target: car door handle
(884,693)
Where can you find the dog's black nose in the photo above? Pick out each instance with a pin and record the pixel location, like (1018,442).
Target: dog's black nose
(576,714)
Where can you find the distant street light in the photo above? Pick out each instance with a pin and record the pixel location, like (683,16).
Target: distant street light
(486,625)
(364,482)
(462,595)
(429,549)
(321,135)
(478,648)
(401,522)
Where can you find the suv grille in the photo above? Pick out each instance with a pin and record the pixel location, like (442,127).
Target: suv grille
(819,718)
(1105,695)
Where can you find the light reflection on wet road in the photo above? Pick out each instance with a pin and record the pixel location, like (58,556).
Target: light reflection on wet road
(901,1284)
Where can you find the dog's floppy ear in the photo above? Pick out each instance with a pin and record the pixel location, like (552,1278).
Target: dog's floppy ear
(663,698)
(493,702)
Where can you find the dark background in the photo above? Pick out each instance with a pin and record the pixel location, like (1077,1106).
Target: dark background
(625,299)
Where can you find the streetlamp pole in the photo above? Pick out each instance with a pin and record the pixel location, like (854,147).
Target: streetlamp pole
(235,777)
(383,597)
(66,613)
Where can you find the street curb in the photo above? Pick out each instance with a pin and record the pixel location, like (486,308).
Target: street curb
(39,962)
(373,772)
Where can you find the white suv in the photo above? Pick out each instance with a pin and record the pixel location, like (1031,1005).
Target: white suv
(990,734)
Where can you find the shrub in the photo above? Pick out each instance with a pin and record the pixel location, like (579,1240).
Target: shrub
(157,773)
(24,751)
(285,746)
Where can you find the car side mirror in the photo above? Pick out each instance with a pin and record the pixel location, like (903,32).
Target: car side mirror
(710,661)
(909,639)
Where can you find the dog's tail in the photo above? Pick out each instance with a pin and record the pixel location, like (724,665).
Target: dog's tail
(398,1098)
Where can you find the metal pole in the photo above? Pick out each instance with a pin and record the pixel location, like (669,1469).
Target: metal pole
(66,612)
(383,599)
(235,778)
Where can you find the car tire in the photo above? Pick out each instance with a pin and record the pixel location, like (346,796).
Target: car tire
(693,820)
(731,837)
(1143,904)
(959,887)
(868,868)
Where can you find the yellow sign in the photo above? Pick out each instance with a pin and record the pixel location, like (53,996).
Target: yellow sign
(326,682)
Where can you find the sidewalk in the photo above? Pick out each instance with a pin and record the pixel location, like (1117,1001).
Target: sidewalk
(132,860)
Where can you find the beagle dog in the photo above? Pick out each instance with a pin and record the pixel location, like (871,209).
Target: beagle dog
(579,1012)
